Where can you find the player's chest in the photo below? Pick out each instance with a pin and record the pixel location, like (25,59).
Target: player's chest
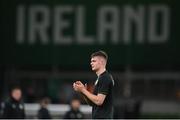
(96,87)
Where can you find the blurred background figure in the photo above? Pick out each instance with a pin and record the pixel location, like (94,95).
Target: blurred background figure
(74,112)
(43,112)
(13,107)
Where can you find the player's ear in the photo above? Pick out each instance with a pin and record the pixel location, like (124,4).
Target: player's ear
(103,61)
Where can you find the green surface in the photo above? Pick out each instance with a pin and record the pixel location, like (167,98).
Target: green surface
(77,54)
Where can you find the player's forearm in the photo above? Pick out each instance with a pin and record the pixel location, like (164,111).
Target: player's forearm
(89,102)
(92,97)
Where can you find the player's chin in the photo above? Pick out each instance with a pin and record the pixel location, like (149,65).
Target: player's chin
(93,69)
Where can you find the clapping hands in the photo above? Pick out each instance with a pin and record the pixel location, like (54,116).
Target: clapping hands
(78,86)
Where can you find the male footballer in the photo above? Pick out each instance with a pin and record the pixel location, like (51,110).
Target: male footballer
(102,97)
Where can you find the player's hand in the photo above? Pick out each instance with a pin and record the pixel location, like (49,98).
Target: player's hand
(85,86)
(78,86)
(74,86)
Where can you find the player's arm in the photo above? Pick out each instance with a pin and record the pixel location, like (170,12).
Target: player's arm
(96,99)
(102,92)
(89,102)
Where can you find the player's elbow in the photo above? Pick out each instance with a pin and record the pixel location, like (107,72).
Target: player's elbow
(100,99)
(99,102)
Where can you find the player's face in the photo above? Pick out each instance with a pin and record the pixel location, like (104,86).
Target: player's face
(16,94)
(95,63)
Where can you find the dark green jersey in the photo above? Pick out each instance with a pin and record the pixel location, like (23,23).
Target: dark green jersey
(104,85)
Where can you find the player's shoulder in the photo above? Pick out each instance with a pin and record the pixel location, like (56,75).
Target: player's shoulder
(105,74)
(106,77)
(109,78)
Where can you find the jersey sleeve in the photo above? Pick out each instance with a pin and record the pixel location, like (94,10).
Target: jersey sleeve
(104,85)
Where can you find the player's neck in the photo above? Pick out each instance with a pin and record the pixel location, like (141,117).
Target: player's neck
(100,71)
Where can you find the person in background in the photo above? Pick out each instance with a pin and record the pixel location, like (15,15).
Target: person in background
(74,112)
(43,112)
(13,108)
